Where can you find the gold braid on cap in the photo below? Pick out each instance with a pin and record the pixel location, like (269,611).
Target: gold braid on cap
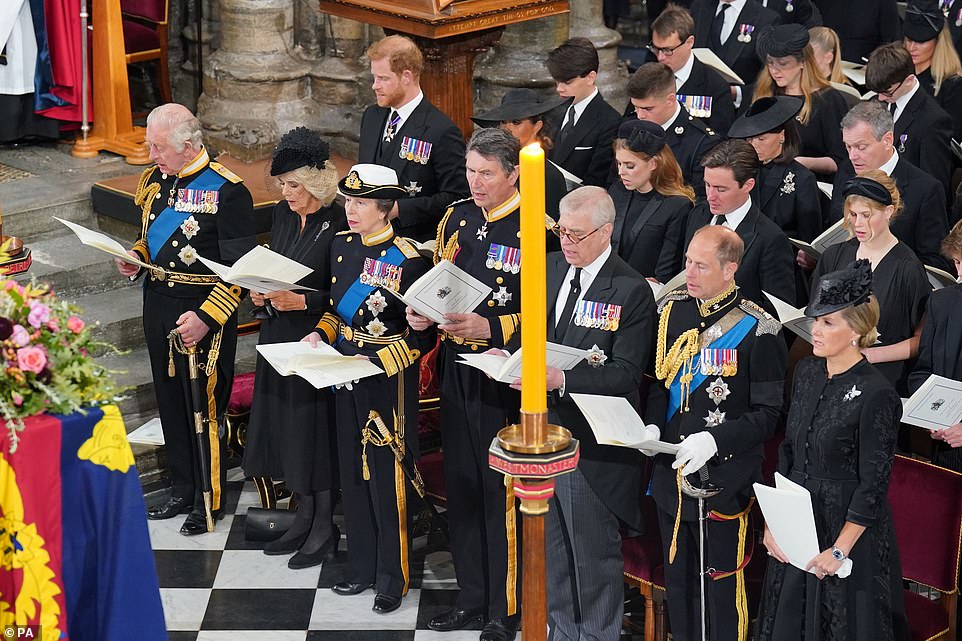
(669,361)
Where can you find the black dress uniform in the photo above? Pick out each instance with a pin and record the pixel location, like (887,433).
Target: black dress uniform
(205,210)
(704,82)
(737,357)
(586,149)
(690,139)
(801,11)
(922,136)
(482,520)
(738,51)
(949,96)
(427,153)
(370,321)
(649,231)
(788,194)
(277,444)
(861,25)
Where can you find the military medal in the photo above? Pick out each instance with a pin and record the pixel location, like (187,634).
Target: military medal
(413,189)
(378,273)
(946,7)
(745,32)
(958,19)
(789,7)
(595,315)
(718,362)
(492,256)
(596,356)
(714,418)
(502,296)
(902,139)
(482,232)
(718,391)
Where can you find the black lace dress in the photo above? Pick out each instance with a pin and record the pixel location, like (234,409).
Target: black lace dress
(839,444)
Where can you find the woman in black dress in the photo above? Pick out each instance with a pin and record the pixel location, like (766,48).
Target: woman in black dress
(839,443)
(288,436)
(937,65)
(379,413)
(651,200)
(785,190)
(871,202)
(791,70)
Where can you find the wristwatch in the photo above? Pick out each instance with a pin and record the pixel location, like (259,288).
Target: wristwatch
(837,554)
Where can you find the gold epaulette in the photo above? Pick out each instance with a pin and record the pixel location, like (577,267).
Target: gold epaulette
(406,246)
(225,172)
(767,324)
(674,295)
(142,184)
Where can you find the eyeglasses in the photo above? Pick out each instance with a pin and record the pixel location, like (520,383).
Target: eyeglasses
(662,51)
(561,232)
(891,92)
(781,63)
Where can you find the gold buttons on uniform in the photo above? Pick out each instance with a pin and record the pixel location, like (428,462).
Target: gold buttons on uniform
(174,243)
(519,234)
(474,348)
(333,279)
(152,216)
(349,239)
(170,284)
(360,312)
(331,301)
(490,303)
(340,258)
(173,264)
(360,343)
(463,223)
(383,253)
(499,280)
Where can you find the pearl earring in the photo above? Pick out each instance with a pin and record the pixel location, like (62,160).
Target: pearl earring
(855,343)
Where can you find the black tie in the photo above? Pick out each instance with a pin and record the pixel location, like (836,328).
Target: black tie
(717,24)
(392,123)
(568,126)
(719,219)
(892,107)
(569,307)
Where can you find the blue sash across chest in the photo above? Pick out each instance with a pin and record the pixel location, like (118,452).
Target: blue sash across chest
(355,295)
(728,340)
(169,220)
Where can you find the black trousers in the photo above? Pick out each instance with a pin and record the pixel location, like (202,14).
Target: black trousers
(176,415)
(726,598)
(484,527)
(378,512)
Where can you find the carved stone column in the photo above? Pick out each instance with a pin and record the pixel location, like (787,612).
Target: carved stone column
(587,20)
(518,60)
(256,87)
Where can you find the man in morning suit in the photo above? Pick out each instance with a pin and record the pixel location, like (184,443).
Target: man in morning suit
(190,206)
(481,236)
(596,302)
(729,27)
(700,88)
(720,414)
(923,131)
(867,133)
(768,260)
(411,136)
(583,144)
(651,90)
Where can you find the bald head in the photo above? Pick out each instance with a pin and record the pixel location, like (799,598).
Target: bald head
(711,260)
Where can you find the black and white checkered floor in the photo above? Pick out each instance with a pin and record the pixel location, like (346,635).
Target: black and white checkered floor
(219,587)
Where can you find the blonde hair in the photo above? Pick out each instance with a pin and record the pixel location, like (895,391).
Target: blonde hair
(883,179)
(320,183)
(827,40)
(863,319)
(666,178)
(811,83)
(945,59)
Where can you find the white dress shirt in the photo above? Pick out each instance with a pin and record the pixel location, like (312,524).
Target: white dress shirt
(588,274)
(901,102)
(731,18)
(580,107)
(735,218)
(681,76)
(889,166)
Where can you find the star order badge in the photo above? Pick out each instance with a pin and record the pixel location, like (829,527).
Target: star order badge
(718,391)
(596,356)
(715,418)
(413,189)
(376,303)
(502,296)
(187,254)
(190,227)
(376,327)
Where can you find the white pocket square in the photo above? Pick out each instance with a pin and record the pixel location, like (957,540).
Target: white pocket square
(583,148)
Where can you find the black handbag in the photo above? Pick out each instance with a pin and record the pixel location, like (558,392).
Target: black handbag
(267,524)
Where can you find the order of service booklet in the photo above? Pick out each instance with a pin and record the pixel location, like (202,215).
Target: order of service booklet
(507,369)
(615,422)
(321,366)
(936,405)
(262,270)
(445,289)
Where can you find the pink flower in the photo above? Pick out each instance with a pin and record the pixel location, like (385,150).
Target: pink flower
(39,314)
(31,359)
(17,399)
(75,324)
(20,336)
(53,325)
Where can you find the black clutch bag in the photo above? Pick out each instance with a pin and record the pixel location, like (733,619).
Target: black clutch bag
(266,524)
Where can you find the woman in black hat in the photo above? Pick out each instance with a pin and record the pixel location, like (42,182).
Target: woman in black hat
(790,70)
(871,202)
(785,190)
(937,66)
(377,415)
(651,200)
(839,442)
(288,434)
(525,114)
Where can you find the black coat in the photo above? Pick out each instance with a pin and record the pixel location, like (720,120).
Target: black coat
(822,134)
(768,263)
(690,139)
(802,12)
(740,56)
(949,97)
(705,81)
(614,473)
(923,223)
(649,231)
(927,130)
(788,194)
(437,184)
(586,151)
(861,25)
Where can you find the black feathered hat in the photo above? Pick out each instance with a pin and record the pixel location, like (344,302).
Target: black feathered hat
(764,115)
(299,147)
(840,289)
(781,40)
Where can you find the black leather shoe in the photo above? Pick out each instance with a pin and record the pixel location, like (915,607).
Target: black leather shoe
(196,523)
(280,546)
(500,629)
(350,589)
(455,619)
(175,505)
(384,603)
(326,552)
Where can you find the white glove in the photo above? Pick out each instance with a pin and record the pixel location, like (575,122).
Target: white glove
(695,451)
(652,433)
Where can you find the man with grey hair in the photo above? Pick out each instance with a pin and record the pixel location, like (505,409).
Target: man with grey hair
(481,235)
(867,131)
(596,302)
(190,207)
